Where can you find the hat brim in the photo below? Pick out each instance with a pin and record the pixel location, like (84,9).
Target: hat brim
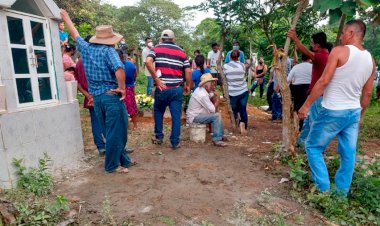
(116,38)
(206,81)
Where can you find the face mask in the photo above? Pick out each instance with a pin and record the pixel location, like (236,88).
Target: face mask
(150,44)
(235,47)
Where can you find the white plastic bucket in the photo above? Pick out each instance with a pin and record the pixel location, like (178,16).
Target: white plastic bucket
(198,133)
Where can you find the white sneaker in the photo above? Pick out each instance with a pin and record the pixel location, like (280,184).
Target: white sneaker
(253,94)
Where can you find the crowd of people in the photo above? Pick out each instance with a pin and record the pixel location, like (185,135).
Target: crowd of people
(330,92)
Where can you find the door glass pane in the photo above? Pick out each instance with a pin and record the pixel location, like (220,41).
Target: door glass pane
(24,90)
(45,89)
(20,61)
(37,33)
(16,30)
(41,61)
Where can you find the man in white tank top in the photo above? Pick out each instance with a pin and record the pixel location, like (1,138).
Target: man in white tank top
(346,85)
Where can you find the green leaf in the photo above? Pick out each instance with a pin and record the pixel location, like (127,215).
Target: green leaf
(335,15)
(324,5)
(349,8)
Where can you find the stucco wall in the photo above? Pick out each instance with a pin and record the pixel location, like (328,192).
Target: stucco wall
(28,135)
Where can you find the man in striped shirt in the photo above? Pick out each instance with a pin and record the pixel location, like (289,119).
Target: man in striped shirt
(171,61)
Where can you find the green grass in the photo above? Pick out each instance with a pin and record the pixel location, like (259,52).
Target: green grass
(370,127)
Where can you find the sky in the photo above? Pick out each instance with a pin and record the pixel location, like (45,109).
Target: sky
(198,16)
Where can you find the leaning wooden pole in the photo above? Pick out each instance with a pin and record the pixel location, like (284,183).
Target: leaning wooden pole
(341,25)
(288,127)
(224,81)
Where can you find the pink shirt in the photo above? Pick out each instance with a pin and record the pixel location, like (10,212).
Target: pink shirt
(67,61)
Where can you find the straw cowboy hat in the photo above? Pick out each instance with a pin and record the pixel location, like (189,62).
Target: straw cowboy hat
(206,78)
(105,36)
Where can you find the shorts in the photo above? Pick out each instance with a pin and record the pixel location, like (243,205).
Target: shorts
(217,75)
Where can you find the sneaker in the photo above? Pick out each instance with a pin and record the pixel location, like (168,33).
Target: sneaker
(243,131)
(155,140)
(253,94)
(102,152)
(219,143)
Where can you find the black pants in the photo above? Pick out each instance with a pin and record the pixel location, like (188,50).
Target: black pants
(299,96)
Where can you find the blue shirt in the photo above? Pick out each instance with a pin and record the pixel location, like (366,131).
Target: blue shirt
(63,35)
(241,57)
(196,76)
(100,64)
(130,70)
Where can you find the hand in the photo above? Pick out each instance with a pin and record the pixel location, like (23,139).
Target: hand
(120,91)
(90,100)
(302,112)
(292,34)
(160,84)
(186,90)
(65,16)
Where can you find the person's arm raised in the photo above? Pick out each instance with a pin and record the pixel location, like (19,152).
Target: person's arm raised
(302,48)
(70,26)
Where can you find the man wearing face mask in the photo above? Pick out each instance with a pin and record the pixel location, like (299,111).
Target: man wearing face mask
(145,53)
(236,46)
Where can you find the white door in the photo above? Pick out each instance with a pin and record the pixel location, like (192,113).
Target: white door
(31,54)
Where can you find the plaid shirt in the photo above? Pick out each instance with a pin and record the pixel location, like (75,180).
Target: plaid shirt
(100,64)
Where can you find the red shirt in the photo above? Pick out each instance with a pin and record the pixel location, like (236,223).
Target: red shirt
(319,64)
(80,76)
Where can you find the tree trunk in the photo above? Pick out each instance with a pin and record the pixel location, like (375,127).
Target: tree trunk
(224,80)
(341,25)
(288,127)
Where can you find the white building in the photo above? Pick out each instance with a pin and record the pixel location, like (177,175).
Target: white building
(36,115)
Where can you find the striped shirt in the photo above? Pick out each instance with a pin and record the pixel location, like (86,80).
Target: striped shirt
(170,61)
(235,72)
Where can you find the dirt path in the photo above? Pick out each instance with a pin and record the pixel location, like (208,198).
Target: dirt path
(237,185)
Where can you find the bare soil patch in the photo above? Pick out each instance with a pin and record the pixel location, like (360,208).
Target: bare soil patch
(196,183)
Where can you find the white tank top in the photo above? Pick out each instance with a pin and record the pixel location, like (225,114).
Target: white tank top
(344,90)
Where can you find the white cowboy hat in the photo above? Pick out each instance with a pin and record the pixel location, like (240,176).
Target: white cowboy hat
(206,78)
(106,36)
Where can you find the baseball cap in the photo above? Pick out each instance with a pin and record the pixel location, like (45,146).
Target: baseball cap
(167,34)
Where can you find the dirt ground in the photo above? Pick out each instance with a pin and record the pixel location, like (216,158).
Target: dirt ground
(195,185)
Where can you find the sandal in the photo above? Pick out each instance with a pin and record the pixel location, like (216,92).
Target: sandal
(132,164)
(219,143)
(121,170)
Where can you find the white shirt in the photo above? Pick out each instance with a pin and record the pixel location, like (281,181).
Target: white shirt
(344,90)
(200,103)
(235,72)
(213,57)
(145,52)
(300,74)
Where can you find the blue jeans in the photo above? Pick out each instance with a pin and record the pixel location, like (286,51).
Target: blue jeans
(276,106)
(97,131)
(239,107)
(314,110)
(255,84)
(217,126)
(330,123)
(149,85)
(113,119)
(270,94)
(171,98)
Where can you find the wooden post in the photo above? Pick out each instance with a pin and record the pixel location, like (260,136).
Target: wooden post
(224,80)
(288,131)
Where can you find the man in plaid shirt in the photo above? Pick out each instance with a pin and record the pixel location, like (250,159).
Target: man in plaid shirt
(106,80)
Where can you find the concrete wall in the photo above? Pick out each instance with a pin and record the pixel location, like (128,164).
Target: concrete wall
(28,135)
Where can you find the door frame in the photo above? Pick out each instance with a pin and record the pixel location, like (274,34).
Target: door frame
(33,75)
